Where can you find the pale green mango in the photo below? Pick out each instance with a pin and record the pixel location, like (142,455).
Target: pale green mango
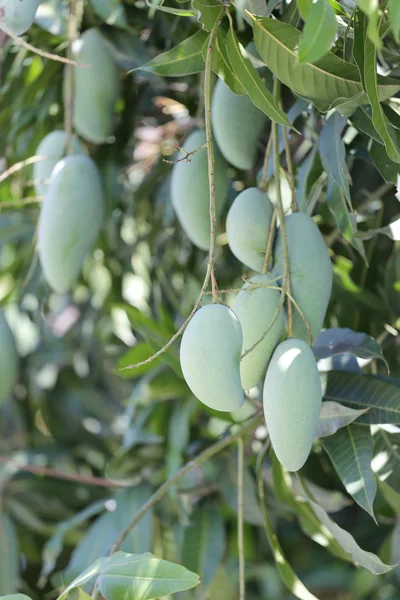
(70,220)
(8,360)
(53,147)
(96,88)
(292,400)
(310,271)
(255,309)
(18,15)
(210,357)
(190,190)
(247,227)
(237,124)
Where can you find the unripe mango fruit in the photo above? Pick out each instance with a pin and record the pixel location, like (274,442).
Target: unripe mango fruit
(247,227)
(70,220)
(292,399)
(210,357)
(310,271)
(237,124)
(255,309)
(96,88)
(18,15)
(190,190)
(8,360)
(53,147)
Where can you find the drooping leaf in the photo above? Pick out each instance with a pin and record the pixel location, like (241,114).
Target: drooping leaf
(333,153)
(207,12)
(394,15)
(350,450)
(386,167)
(319,32)
(391,496)
(228,485)
(184,59)
(220,63)
(333,416)
(382,398)
(179,12)
(340,339)
(392,231)
(9,563)
(143,577)
(249,77)
(361,557)
(362,120)
(329,81)
(84,577)
(204,543)
(365,56)
(346,221)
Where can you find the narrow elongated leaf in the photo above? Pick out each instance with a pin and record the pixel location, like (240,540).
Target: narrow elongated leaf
(365,56)
(184,59)
(220,63)
(392,231)
(228,485)
(350,450)
(337,340)
(319,32)
(394,15)
(333,416)
(143,577)
(330,80)
(256,89)
(362,120)
(179,12)
(382,398)
(361,557)
(9,564)
(204,543)
(345,220)
(386,167)
(333,153)
(304,7)
(207,12)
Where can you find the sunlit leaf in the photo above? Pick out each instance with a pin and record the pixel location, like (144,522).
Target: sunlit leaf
(333,416)
(183,59)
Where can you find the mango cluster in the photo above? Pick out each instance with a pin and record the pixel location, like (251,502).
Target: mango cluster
(226,350)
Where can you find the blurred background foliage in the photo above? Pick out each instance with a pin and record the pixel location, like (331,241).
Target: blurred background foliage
(118,435)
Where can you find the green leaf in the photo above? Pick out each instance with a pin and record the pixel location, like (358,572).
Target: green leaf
(138,353)
(184,59)
(371,9)
(361,557)
(79,594)
(386,167)
(390,495)
(84,577)
(333,416)
(228,485)
(330,81)
(143,577)
(350,450)
(394,15)
(362,121)
(9,564)
(392,231)
(220,63)
(345,220)
(365,56)
(304,7)
(333,153)
(340,339)
(179,12)
(15,597)
(207,12)
(319,32)
(111,11)
(361,391)
(248,76)
(204,543)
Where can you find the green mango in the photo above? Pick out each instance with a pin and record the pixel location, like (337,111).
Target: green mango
(96,88)
(310,271)
(210,357)
(255,308)
(237,124)
(247,227)
(292,398)
(70,220)
(53,147)
(190,190)
(18,15)
(8,360)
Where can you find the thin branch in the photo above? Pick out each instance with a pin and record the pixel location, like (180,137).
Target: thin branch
(269,242)
(211,252)
(46,472)
(69,79)
(289,163)
(187,154)
(22,202)
(263,182)
(242,564)
(21,42)
(201,458)
(20,165)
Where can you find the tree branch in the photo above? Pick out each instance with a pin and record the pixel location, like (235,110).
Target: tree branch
(242,564)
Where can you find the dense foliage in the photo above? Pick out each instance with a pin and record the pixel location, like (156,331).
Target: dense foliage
(103,462)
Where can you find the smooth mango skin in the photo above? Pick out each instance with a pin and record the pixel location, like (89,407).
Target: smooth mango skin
(96,88)
(70,220)
(247,227)
(8,360)
(310,271)
(53,146)
(18,15)
(210,357)
(292,400)
(237,124)
(255,308)
(190,190)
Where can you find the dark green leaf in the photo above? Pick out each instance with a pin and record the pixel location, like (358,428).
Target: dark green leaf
(319,32)
(333,153)
(394,15)
(362,121)
(392,231)
(350,450)
(391,496)
(338,340)
(183,59)
(221,64)
(9,563)
(346,221)
(333,416)
(386,167)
